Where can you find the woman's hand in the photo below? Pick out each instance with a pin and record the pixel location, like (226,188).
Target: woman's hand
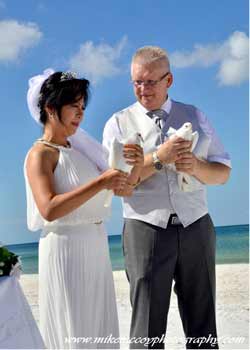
(127,191)
(114,180)
(133,154)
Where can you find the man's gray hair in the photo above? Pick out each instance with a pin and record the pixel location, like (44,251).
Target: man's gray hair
(150,54)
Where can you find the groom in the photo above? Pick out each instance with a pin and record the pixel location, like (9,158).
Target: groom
(168,234)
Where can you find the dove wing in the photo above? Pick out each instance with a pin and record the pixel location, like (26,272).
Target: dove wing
(195,137)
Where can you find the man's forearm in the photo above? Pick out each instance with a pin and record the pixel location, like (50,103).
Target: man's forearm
(211,173)
(139,174)
(147,170)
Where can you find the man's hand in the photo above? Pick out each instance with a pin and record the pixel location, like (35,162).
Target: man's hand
(133,154)
(172,149)
(210,173)
(187,163)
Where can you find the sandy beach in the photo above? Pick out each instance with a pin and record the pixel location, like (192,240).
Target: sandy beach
(232,307)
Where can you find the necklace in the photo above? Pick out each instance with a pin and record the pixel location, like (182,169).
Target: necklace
(54,144)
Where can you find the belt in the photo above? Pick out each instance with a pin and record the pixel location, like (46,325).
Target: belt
(174,220)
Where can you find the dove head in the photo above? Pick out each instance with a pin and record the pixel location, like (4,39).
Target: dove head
(185,131)
(187,127)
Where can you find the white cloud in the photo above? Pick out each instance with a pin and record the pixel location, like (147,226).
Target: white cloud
(17,37)
(234,69)
(232,57)
(97,62)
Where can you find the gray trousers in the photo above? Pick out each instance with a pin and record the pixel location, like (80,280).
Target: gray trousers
(154,257)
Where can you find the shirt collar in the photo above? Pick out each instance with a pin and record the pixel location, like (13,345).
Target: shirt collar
(167,105)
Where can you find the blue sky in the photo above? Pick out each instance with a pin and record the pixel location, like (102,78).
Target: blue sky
(208,46)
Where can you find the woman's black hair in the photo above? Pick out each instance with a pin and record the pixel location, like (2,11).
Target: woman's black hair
(61,89)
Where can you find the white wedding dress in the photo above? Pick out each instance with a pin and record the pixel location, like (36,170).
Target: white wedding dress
(76,289)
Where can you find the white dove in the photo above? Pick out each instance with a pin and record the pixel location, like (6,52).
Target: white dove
(117,161)
(186,183)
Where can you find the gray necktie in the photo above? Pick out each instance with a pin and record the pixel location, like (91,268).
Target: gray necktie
(159,116)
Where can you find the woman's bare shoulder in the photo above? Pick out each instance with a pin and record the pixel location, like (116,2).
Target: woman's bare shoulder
(40,153)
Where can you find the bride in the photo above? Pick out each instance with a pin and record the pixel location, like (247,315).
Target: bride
(65,187)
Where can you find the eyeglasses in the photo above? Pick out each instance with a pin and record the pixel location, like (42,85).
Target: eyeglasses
(151,83)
